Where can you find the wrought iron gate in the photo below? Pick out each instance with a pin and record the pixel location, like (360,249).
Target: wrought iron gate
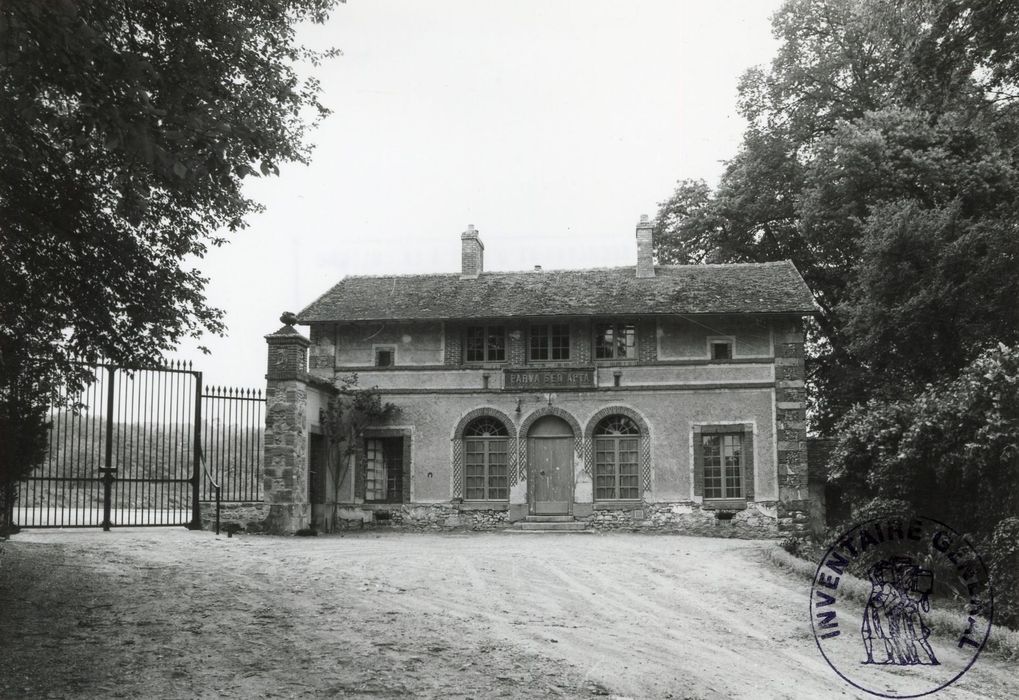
(131,455)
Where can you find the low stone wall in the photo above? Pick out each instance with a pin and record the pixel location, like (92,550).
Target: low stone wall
(250,517)
(433,516)
(757,520)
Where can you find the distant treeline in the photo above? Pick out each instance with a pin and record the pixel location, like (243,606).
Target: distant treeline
(78,443)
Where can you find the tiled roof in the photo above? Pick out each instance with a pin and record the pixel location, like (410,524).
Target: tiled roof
(774,287)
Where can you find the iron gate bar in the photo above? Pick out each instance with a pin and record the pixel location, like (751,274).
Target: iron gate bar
(196,506)
(108,472)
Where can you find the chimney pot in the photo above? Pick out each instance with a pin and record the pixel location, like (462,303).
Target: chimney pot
(645,256)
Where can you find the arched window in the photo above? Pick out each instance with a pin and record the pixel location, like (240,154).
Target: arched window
(616,450)
(485,468)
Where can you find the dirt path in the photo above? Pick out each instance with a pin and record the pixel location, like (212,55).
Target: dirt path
(176,614)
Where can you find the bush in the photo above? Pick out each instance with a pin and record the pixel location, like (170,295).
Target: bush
(1003,561)
(794,545)
(951,453)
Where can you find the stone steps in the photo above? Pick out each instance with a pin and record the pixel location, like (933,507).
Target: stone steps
(549,523)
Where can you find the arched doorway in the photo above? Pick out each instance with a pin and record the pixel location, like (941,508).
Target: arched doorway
(550,466)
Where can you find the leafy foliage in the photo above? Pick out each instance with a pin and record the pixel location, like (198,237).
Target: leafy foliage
(951,453)
(126,132)
(880,157)
(347,414)
(1004,565)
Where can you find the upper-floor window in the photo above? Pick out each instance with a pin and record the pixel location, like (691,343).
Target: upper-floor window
(615,341)
(385,356)
(485,344)
(550,341)
(721,349)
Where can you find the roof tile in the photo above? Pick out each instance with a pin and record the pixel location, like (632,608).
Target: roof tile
(774,287)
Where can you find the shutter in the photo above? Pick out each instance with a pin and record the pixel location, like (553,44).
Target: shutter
(359,466)
(698,463)
(406,468)
(748,462)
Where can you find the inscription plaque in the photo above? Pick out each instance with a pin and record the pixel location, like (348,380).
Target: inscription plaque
(549,378)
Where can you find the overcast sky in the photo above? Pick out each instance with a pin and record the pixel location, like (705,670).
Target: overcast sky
(550,125)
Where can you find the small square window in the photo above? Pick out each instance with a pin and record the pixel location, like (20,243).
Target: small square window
(384,357)
(721,349)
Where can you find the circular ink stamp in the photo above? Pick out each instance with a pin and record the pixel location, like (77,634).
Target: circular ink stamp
(901,607)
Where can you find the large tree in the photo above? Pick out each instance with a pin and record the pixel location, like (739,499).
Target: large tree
(881,157)
(127,128)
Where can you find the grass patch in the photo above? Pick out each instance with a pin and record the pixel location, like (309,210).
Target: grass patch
(1003,642)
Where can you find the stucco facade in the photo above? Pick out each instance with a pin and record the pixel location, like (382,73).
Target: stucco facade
(666,432)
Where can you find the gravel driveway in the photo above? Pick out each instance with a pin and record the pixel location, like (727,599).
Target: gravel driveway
(169,613)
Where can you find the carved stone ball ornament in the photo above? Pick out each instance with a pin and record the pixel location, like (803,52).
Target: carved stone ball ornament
(289,318)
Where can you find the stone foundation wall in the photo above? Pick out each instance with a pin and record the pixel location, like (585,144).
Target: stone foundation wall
(433,516)
(758,520)
(250,517)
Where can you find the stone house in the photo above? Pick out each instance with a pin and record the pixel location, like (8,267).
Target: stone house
(647,396)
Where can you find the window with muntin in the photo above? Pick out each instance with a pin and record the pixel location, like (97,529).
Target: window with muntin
(615,341)
(486,476)
(616,459)
(485,344)
(550,341)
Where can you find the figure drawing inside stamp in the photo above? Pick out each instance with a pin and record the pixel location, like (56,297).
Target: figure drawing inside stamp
(893,630)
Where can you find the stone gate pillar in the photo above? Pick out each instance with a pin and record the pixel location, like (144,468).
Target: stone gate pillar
(285,463)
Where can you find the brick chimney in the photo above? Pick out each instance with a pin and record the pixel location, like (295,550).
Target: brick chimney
(473,256)
(645,263)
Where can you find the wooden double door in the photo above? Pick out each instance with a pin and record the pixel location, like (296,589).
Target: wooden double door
(550,466)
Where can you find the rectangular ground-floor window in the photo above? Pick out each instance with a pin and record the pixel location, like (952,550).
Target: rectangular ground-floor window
(723,462)
(383,470)
(723,465)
